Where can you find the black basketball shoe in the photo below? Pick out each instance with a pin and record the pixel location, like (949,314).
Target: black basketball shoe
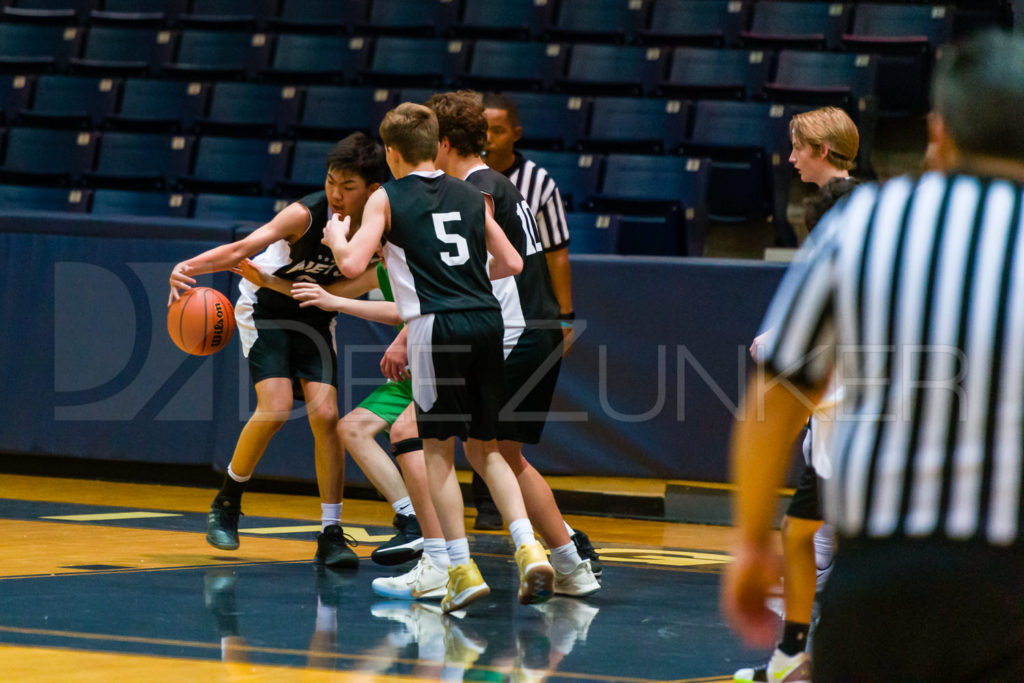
(586,550)
(405,545)
(332,549)
(222,523)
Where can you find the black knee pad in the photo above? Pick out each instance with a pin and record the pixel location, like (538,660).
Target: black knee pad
(406,446)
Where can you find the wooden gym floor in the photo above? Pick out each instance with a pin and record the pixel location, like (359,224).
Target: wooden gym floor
(104,581)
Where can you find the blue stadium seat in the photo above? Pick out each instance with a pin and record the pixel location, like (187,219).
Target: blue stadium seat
(38,155)
(320,59)
(823,78)
(238,165)
(15,94)
(237,208)
(593,233)
(716,73)
(788,24)
(505,19)
(54,12)
(905,38)
(319,16)
(71,101)
(333,111)
(219,54)
(551,121)
(613,69)
(496,65)
(149,13)
(599,20)
(28,198)
(230,14)
(711,23)
(577,175)
(37,47)
(416,61)
(418,95)
(308,168)
(642,126)
(413,18)
(251,109)
(124,51)
(148,161)
(149,104)
(131,203)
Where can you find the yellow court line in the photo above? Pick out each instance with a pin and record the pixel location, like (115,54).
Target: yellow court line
(110,516)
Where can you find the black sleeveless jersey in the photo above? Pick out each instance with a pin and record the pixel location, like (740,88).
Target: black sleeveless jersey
(536,297)
(304,260)
(435,250)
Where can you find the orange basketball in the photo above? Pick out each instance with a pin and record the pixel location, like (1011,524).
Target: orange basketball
(201,321)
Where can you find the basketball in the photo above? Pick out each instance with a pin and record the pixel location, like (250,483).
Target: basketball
(201,321)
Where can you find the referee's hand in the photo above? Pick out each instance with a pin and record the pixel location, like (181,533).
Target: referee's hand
(753,572)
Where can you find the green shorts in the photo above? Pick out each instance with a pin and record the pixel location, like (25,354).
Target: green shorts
(389,400)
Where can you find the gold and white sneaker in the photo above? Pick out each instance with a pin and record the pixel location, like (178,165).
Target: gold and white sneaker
(425,581)
(579,583)
(465,584)
(536,575)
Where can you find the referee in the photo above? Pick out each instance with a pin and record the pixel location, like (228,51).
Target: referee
(912,295)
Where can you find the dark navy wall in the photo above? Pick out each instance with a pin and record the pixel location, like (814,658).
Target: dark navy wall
(88,369)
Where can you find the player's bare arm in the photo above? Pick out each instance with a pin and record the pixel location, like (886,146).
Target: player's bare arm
(310,294)
(395,363)
(353,255)
(505,260)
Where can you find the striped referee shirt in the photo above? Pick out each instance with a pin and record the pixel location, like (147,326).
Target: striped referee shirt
(912,294)
(540,191)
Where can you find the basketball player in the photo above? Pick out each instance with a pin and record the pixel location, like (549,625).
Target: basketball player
(437,235)
(533,336)
(286,344)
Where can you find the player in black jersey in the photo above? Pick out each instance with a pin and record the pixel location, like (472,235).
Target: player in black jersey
(437,235)
(533,337)
(286,344)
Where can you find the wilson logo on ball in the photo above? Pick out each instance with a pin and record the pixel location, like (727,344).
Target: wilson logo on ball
(201,321)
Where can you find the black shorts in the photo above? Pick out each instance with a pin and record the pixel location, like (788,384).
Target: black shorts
(295,350)
(531,372)
(921,610)
(806,503)
(456,363)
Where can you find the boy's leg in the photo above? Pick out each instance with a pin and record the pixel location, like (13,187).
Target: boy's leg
(358,429)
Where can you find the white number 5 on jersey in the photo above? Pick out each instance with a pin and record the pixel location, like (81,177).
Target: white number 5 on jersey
(461,254)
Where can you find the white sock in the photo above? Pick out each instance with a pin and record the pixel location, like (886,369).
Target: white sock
(568,529)
(522,531)
(565,558)
(437,551)
(239,479)
(330,513)
(458,551)
(403,506)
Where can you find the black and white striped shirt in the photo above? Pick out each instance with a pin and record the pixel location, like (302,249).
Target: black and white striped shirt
(541,193)
(913,295)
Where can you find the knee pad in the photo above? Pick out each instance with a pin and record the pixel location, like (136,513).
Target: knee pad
(406,446)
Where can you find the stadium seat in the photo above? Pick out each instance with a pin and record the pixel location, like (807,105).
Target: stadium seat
(319,16)
(37,47)
(130,203)
(412,18)
(54,12)
(40,155)
(788,24)
(124,51)
(505,19)
(154,105)
(251,15)
(716,73)
(237,208)
(416,61)
(711,23)
(551,121)
(71,101)
(905,38)
(15,94)
(577,175)
(319,59)
(238,165)
(823,78)
(496,65)
(593,233)
(613,69)
(219,54)
(149,161)
(28,198)
(333,111)
(599,20)
(641,126)
(149,13)
(256,109)
(308,168)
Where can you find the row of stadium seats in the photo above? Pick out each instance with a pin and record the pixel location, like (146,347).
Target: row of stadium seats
(725,22)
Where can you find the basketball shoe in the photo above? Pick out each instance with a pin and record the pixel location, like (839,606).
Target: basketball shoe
(536,575)
(332,548)
(465,584)
(586,550)
(422,582)
(222,523)
(579,583)
(405,545)
(781,668)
